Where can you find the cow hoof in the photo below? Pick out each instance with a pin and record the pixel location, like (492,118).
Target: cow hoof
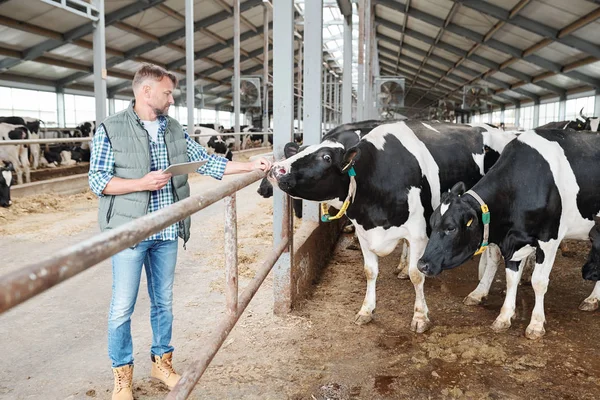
(589,305)
(534,333)
(419,325)
(403,275)
(472,301)
(500,325)
(349,229)
(360,319)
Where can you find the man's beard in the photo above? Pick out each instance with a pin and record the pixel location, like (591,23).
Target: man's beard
(161,111)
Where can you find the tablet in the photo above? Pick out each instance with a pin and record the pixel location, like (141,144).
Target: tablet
(184,168)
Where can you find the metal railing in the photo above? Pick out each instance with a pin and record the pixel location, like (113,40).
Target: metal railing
(19,286)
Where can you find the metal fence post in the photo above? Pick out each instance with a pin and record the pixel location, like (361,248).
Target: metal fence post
(283,124)
(231,255)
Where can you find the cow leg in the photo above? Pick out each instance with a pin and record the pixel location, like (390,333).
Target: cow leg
(539,281)
(365,315)
(591,303)
(404,261)
(420,321)
(488,263)
(507,312)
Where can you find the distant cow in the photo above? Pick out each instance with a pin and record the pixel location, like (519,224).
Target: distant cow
(32,124)
(87,128)
(5,183)
(542,189)
(15,154)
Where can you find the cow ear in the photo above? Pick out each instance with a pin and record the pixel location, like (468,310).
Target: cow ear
(9,166)
(350,157)
(471,221)
(290,149)
(458,189)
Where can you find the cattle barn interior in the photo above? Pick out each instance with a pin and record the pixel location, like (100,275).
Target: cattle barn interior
(253,76)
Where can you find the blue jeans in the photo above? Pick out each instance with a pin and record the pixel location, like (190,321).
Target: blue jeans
(159,258)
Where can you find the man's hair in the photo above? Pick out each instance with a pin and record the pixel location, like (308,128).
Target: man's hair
(151,71)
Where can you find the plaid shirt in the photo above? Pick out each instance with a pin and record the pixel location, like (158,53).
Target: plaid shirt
(102,167)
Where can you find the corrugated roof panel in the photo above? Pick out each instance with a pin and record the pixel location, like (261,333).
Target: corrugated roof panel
(222,75)
(110,6)
(58,19)
(42,71)
(223,55)
(492,54)
(15,39)
(591,69)
(73,52)
(163,55)
(530,87)
(557,13)
(389,14)
(527,68)
(563,81)
(473,20)
(422,27)
(475,66)
(128,66)
(590,32)
(457,41)
(505,78)
(516,37)
(122,41)
(462,74)
(155,22)
(446,54)
(24,10)
(439,8)
(417,43)
(561,54)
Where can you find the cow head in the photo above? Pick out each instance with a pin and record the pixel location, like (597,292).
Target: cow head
(591,269)
(5,182)
(266,188)
(456,233)
(316,173)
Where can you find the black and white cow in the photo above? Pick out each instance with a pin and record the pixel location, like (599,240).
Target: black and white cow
(391,181)
(32,124)
(591,269)
(543,189)
(346,134)
(87,128)
(5,183)
(17,155)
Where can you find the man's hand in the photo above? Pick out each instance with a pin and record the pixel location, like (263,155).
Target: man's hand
(262,164)
(154,180)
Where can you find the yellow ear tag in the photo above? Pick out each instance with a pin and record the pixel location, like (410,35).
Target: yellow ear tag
(470,222)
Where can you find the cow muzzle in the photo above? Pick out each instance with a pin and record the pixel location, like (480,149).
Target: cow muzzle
(427,268)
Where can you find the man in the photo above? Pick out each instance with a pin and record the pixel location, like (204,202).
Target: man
(129,152)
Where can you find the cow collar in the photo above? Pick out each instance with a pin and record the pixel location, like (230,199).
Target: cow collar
(325,217)
(485,218)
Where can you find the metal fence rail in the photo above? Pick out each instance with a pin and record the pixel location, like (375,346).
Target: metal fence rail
(21,285)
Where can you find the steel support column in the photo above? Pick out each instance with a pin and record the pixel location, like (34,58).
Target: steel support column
(361,59)
(265,71)
(517,115)
(347,77)
(336,97)
(368,60)
(283,124)
(597,103)
(189,64)
(331,99)
(562,108)
(536,114)
(312,88)
(300,96)
(111,106)
(60,108)
(236,70)
(100,63)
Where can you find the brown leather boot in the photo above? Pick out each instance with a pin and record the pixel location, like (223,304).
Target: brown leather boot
(123,383)
(162,369)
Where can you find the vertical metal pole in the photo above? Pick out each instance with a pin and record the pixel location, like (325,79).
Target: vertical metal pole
(189,64)
(336,107)
(361,60)
(231,255)
(536,114)
(111,106)
(331,99)
(236,70)
(265,72)
(283,114)
(300,98)
(562,108)
(347,77)
(368,61)
(324,100)
(313,84)
(99,44)
(60,108)
(596,103)
(502,109)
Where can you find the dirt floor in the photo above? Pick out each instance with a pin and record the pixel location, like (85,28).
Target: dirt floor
(55,344)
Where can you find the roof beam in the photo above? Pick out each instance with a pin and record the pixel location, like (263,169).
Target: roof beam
(163,40)
(38,50)
(402,34)
(492,43)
